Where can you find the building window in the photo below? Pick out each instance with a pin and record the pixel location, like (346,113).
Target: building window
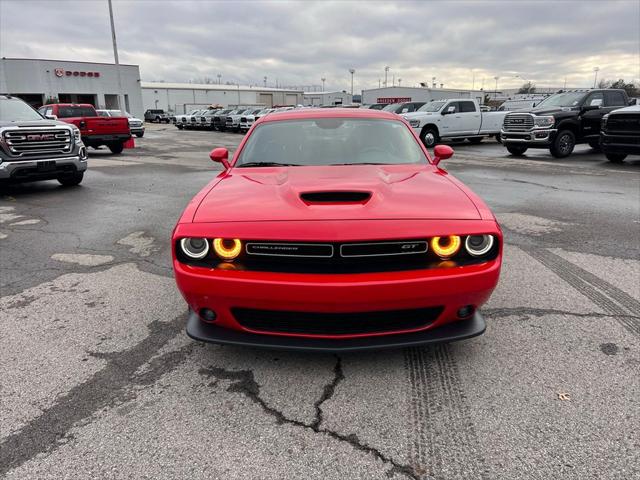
(126,103)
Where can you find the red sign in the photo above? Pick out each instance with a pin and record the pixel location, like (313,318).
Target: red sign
(393,99)
(60,72)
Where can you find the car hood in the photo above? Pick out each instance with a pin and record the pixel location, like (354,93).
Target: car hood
(283,193)
(550,110)
(35,123)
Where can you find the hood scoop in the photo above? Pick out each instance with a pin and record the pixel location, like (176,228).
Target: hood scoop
(335,196)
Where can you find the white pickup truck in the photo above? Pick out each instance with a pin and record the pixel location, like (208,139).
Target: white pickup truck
(455,118)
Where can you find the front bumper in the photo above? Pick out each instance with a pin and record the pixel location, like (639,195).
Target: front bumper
(624,144)
(135,130)
(461,330)
(536,138)
(42,168)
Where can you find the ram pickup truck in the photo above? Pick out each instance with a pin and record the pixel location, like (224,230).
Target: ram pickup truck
(33,147)
(561,121)
(135,124)
(184,120)
(455,118)
(247,120)
(620,133)
(95,130)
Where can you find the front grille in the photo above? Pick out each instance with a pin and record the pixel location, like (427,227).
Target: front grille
(29,143)
(518,122)
(629,123)
(347,323)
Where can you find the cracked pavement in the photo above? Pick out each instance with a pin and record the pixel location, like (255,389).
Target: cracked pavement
(99,380)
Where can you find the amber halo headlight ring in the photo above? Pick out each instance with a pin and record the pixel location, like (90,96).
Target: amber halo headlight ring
(195,247)
(445,247)
(227,248)
(479,245)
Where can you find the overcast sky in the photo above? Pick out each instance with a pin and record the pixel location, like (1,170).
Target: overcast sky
(298,43)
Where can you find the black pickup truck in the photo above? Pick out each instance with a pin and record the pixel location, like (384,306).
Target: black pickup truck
(561,121)
(620,133)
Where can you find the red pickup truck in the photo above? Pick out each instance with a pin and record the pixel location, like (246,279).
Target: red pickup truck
(95,130)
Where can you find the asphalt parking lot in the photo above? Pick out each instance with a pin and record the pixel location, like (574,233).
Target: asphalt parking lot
(100,381)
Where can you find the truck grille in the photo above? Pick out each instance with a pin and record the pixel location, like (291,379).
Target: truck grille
(335,324)
(518,122)
(30,143)
(629,123)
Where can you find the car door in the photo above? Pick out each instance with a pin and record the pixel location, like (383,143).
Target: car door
(469,117)
(449,118)
(590,121)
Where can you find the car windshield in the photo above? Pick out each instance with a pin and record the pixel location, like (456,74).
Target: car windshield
(431,107)
(567,99)
(14,110)
(115,113)
(331,141)
(391,108)
(76,111)
(102,113)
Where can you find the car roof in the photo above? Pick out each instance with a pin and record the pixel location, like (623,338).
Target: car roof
(309,113)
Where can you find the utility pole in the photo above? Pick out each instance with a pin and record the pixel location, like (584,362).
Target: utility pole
(352,71)
(386,72)
(121,104)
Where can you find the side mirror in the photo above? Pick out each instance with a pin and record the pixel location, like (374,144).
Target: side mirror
(441,152)
(220,155)
(51,117)
(449,111)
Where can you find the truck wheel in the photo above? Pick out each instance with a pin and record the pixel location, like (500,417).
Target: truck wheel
(616,157)
(563,144)
(429,137)
(116,148)
(595,144)
(71,180)
(179,126)
(498,138)
(139,135)
(475,140)
(516,150)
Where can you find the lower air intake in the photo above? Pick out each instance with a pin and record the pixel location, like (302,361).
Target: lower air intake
(349,323)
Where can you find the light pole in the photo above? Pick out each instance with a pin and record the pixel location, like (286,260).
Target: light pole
(323,80)
(386,73)
(352,71)
(433,82)
(528,83)
(399,81)
(595,78)
(121,105)
(495,92)
(265,80)
(219,78)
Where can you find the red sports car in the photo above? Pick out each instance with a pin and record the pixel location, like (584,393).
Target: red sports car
(334,229)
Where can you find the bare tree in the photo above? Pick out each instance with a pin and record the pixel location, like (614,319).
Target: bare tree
(527,87)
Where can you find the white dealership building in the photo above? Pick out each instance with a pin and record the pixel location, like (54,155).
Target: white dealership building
(325,99)
(183,97)
(38,81)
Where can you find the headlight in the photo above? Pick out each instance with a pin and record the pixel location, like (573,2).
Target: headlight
(227,248)
(446,247)
(479,245)
(603,123)
(414,123)
(543,122)
(195,247)
(76,135)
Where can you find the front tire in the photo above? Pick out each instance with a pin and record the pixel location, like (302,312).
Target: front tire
(595,144)
(71,180)
(430,137)
(516,150)
(116,148)
(616,157)
(498,138)
(563,144)
(140,135)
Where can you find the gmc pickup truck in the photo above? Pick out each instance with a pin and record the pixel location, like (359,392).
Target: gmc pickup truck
(620,133)
(455,118)
(33,147)
(95,130)
(561,121)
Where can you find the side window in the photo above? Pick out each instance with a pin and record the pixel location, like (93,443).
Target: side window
(614,99)
(48,111)
(452,107)
(466,107)
(596,99)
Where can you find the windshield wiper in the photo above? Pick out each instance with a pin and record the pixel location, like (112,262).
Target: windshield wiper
(268,164)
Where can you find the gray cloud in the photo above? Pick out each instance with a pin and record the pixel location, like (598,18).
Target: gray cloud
(297,43)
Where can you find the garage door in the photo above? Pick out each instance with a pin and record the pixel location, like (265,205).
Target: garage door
(291,99)
(265,99)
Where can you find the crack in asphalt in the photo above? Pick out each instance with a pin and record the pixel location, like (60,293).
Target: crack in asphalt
(244,383)
(111,385)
